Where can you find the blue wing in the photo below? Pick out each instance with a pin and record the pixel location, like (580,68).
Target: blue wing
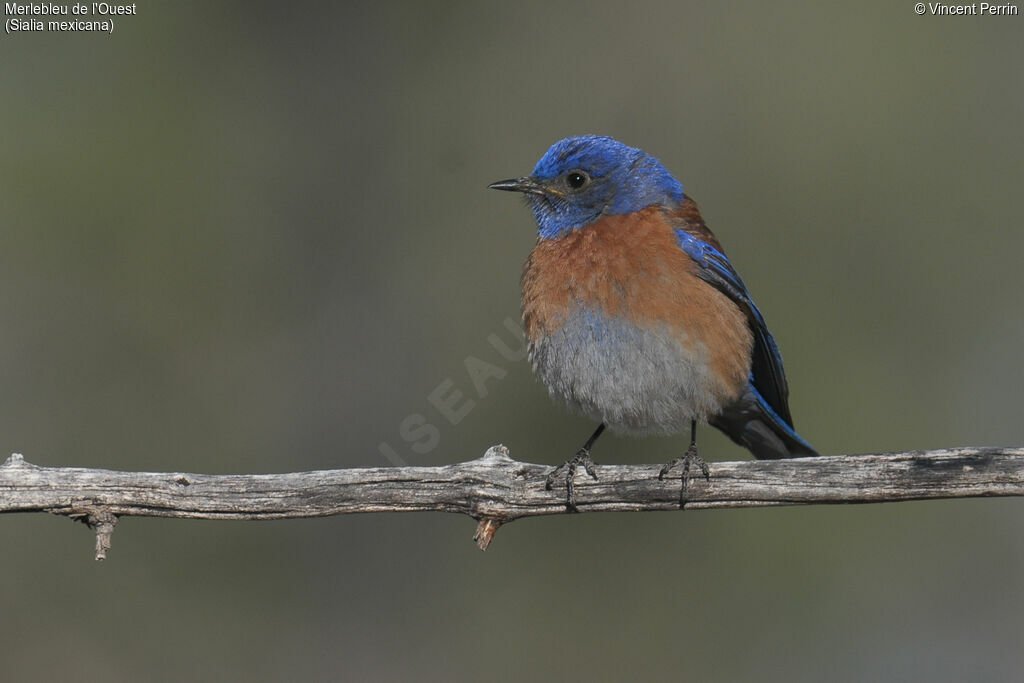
(767,374)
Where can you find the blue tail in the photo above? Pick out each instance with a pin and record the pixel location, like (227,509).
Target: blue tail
(751,422)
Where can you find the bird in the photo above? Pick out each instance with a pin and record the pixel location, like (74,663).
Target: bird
(635,317)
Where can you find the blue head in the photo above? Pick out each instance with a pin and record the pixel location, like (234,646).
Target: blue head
(583,178)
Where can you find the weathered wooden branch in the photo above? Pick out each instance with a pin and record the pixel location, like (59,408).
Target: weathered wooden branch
(495,489)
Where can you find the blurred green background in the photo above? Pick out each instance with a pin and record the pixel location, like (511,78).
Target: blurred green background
(254,237)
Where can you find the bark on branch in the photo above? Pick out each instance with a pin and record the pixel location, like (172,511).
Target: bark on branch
(495,489)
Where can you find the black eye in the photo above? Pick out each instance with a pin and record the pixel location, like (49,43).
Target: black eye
(576,179)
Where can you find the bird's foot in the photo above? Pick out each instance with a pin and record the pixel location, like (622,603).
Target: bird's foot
(689,459)
(570,466)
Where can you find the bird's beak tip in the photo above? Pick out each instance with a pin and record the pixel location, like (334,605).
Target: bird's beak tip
(525,184)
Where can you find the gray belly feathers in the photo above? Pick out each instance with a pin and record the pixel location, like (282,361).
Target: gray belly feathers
(635,380)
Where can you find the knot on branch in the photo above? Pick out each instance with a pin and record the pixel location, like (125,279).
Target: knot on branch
(496,455)
(17,461)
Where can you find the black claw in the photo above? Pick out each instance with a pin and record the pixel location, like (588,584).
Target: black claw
(570,466)
(588,465)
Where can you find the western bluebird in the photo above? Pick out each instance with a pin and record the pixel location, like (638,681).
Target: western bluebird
(635,317)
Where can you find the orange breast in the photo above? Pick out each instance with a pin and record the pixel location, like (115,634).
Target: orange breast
(631,268)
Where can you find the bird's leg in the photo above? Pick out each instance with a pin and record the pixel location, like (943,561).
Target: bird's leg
(688,459)
(582,457)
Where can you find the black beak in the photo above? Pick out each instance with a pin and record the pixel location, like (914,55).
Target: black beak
(525,184)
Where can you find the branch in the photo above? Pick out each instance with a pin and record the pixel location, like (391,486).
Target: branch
(495,489)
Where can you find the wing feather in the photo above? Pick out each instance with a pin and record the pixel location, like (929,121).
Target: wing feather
(767,373)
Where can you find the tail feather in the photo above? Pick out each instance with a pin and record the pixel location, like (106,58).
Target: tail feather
(751,423)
